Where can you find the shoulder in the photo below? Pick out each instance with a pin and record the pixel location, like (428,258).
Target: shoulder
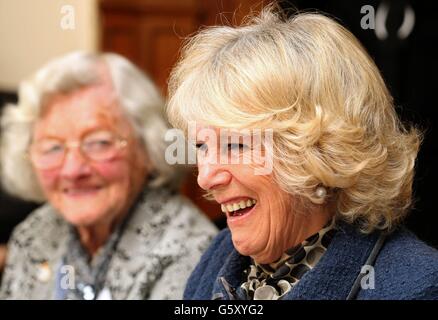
(35,241)
(202,279)
(42,223)
(188,234)
(217,252)
(165,238)
(184,226)
(406,268)
(405,246)
(196,221)
(166,225)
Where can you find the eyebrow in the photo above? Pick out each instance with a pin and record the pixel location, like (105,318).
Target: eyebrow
(90,129)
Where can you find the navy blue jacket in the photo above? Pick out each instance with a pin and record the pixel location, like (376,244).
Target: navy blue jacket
(404,268)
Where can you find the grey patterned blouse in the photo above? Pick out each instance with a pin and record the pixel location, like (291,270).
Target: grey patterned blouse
(152,258)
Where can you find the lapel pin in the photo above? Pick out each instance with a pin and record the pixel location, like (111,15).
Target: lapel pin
(44,273)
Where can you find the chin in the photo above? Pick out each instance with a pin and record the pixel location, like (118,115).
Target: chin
(245,246)
(242,246)
(82,218)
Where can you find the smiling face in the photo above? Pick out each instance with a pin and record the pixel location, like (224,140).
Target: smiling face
(271,220)
(88,192)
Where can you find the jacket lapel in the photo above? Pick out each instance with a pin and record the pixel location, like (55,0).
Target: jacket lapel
(44,258)
(334,275)
(138,262)
(230,276)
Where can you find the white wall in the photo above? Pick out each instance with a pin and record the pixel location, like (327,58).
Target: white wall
(34,31)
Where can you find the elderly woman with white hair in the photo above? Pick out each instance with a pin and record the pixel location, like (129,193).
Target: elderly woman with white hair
(87,138)
(325,222)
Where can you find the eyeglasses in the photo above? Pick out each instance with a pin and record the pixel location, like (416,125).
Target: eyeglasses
(49,153)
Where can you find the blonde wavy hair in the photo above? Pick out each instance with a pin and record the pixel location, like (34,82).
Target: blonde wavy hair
(310,80)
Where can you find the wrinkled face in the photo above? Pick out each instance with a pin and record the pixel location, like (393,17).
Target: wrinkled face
(259,213)
(88,192)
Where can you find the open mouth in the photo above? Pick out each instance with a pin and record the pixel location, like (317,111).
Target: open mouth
(238,208)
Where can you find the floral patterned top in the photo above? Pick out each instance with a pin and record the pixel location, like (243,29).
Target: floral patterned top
(152,258)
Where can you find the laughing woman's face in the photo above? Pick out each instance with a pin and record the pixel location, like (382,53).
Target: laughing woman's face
(259,213)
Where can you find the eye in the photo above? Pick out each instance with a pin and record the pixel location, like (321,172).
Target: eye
(98,141)
(201,147)
(98,144)
(52,149)
(49,147)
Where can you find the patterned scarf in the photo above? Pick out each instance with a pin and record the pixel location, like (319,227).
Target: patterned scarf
(272,281)
(91,272)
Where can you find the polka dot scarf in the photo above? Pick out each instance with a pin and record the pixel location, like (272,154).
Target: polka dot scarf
(272,281)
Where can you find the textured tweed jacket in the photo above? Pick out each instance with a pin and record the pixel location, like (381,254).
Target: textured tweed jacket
(159,248)
(404,268)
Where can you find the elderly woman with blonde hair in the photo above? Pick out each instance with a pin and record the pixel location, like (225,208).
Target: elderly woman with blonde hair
(326,222)
(87,138)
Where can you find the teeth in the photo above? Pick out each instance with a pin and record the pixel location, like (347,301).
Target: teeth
(238,205)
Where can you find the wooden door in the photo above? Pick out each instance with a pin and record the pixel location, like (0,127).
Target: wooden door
(150,33)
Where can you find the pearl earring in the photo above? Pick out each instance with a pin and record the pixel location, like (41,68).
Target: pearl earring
(321,192)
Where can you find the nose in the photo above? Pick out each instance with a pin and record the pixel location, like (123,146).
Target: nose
(75,165)
(212,176)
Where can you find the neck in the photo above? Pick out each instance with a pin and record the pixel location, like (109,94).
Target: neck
(299,228)
(306,226)
(94,237)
